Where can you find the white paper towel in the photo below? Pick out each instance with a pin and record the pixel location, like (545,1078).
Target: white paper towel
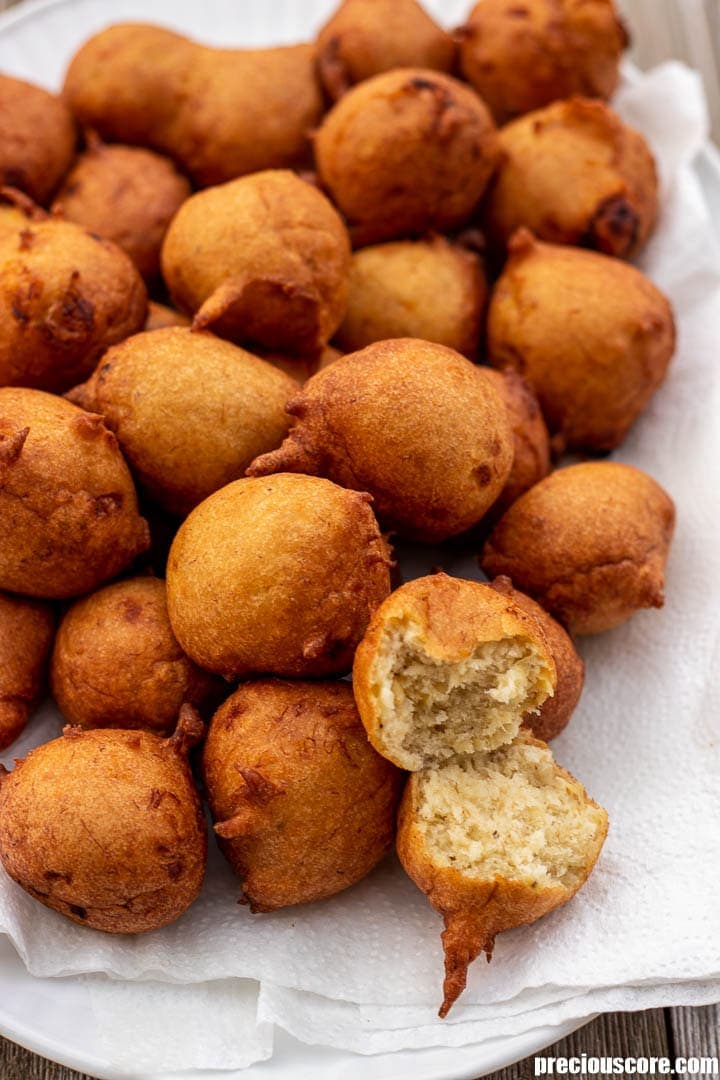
(363,971)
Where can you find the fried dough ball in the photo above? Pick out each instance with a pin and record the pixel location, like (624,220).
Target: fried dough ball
(277,575)
(106,827)
(429,289)
(117,664)
(406,152)
(65,296)
(220,113)
(37,138)
(448,667)
(496,841)
(415,424)
(160,315)
(553,715)
(264,259)
(189,410)
(366,37)
(126,194)
(573,173)
(589,543)
(531,458)
(26,633)
(521,56)
(304,806)
(592,335)
(68,511)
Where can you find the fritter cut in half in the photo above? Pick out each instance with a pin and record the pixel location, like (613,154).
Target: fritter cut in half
(491,829)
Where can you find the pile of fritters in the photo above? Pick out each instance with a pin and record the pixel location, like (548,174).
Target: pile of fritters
(266,315)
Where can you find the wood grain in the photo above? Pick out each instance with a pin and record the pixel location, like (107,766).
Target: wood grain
(661,29)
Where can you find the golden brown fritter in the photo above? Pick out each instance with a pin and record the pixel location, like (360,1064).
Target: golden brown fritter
(496,841)
(531,442)
(262,259)
(448,667)
(366,37)
(522,55)
(279,574)
(589,543)
(429,289)
(117,664)
(126,194)
(406,152)
(68,511)
(592,335)
(553,715)
(220,113)
(160,315)
(189,410)
(106,827)
(415,424)
(37,138)
(304,806)
(573,173)
(26,633)
(65,296)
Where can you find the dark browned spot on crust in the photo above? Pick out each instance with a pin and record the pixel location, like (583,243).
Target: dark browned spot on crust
(27,237)
(58,875)
(418,83)
(518,12)
(103,505)
(131,610)
(79,911)
(175,869)
(258,788)
(483,475)
(614,228)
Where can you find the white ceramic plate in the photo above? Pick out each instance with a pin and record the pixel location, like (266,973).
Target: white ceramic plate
(52,1016)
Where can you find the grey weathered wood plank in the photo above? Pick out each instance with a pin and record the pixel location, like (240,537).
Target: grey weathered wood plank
(640,1034)
(19,1064)
(696,1033)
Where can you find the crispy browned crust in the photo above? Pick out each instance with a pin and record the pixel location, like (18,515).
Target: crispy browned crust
(521,56)
(37,138)
(65,296)
(589,543)
(295,595)
(365,37)
(117,664)
(220,113)
(406,152)
(189,410)
(413,423)
(106,827)
(611,204)
(262,259)
(126,194)
(474,911)
(431,289)
(453,617)
(26,633)
(303,804)
(554,713)
(593,336)
(68,510)
(531,442)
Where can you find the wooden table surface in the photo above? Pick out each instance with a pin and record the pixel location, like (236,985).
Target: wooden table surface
(688,30)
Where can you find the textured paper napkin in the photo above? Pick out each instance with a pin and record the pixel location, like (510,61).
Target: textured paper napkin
(363,970)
